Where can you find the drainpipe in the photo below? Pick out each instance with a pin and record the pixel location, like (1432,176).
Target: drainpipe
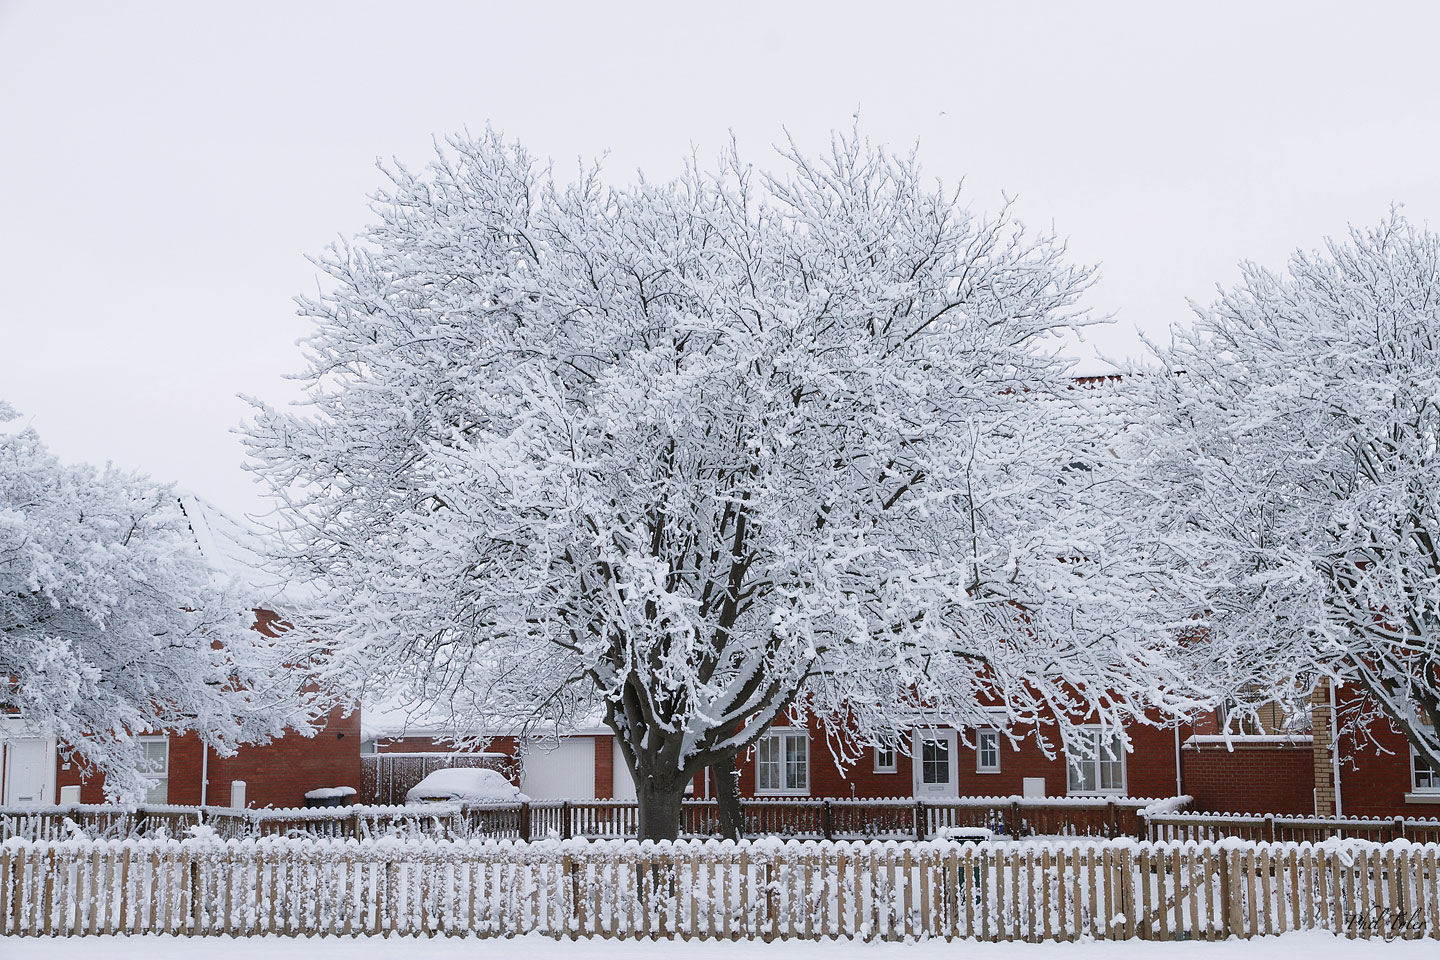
(1335,750)
(204,773)
(1179,779)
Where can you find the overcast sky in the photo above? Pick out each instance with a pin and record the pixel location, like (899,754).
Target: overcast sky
(165,169)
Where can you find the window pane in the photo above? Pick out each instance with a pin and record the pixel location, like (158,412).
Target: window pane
(767,765)
(934,761)
(1082,776)
(1112,764)
(989,746)
(796,765)
(1423,776)
(158,793)
(153,756)
(884,758)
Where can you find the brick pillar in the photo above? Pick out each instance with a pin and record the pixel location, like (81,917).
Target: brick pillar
(1322,728)
(604,768)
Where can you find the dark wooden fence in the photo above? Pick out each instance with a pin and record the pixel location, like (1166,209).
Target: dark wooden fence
(1270,828)
(793,819)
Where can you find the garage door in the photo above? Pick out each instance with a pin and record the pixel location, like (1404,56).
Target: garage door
(564,771)
(624,783)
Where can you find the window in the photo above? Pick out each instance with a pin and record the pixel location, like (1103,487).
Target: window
(1422,777)
(987,751)
(934,760)
(155,765)
(1099,765)
(884,759)
(782,763)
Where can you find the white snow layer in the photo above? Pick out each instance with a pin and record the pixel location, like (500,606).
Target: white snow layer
(329,793)
(1312,945)
(465,783)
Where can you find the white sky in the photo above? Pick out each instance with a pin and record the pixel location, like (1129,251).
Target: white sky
(165,169)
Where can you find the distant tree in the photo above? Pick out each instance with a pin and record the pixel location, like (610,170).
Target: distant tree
(113,625)
(696,454)
(1293,465)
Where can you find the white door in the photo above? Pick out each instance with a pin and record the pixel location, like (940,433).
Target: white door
(935,764)
(28,771)
(563,772)
(624,784)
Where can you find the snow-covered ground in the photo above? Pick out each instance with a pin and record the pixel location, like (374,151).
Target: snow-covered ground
(1311,945)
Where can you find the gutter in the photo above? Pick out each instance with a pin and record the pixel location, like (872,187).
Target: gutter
(1179,778)
(1335,750)
(204,772)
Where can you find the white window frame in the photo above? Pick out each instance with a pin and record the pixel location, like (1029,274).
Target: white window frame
(980,736)
(784,735)
(948,789)
(1418,766)
(1072,762)
(162,775)
(893,766)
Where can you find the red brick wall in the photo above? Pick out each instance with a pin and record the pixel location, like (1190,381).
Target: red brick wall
(276,774)
(605,768)
(184,786)
(1251,778)
(1375,768)
(279,773)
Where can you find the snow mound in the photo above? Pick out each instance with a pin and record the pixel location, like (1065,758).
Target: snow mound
(467,784)
(329,793)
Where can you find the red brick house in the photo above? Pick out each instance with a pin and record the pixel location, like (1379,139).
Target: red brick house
(1372,773)
(794,761)
(1370,769)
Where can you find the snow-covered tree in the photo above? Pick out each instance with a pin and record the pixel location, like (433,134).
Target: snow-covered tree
(1293,466)
(699,453)
(112,624)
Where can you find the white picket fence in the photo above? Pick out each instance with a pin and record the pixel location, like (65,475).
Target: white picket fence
(717,889)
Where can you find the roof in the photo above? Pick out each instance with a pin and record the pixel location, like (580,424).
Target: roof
(393,719)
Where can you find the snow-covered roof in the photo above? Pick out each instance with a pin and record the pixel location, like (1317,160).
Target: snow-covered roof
(393,719)
(238,549)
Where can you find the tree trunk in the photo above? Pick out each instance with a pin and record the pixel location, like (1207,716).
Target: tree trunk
(727,798)
(659,808)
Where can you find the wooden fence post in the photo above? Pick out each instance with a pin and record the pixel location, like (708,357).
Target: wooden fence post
(1399,829)
(826,826)
(565,832)
(194,895)
(1230,885)
(1112,812)
(920,820)
(524,821)
(1270,827)
(1016,824)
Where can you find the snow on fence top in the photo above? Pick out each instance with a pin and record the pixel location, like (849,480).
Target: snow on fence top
(1222,740)
(757,849)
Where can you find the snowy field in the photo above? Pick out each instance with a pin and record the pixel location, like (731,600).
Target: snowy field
(1311,945)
